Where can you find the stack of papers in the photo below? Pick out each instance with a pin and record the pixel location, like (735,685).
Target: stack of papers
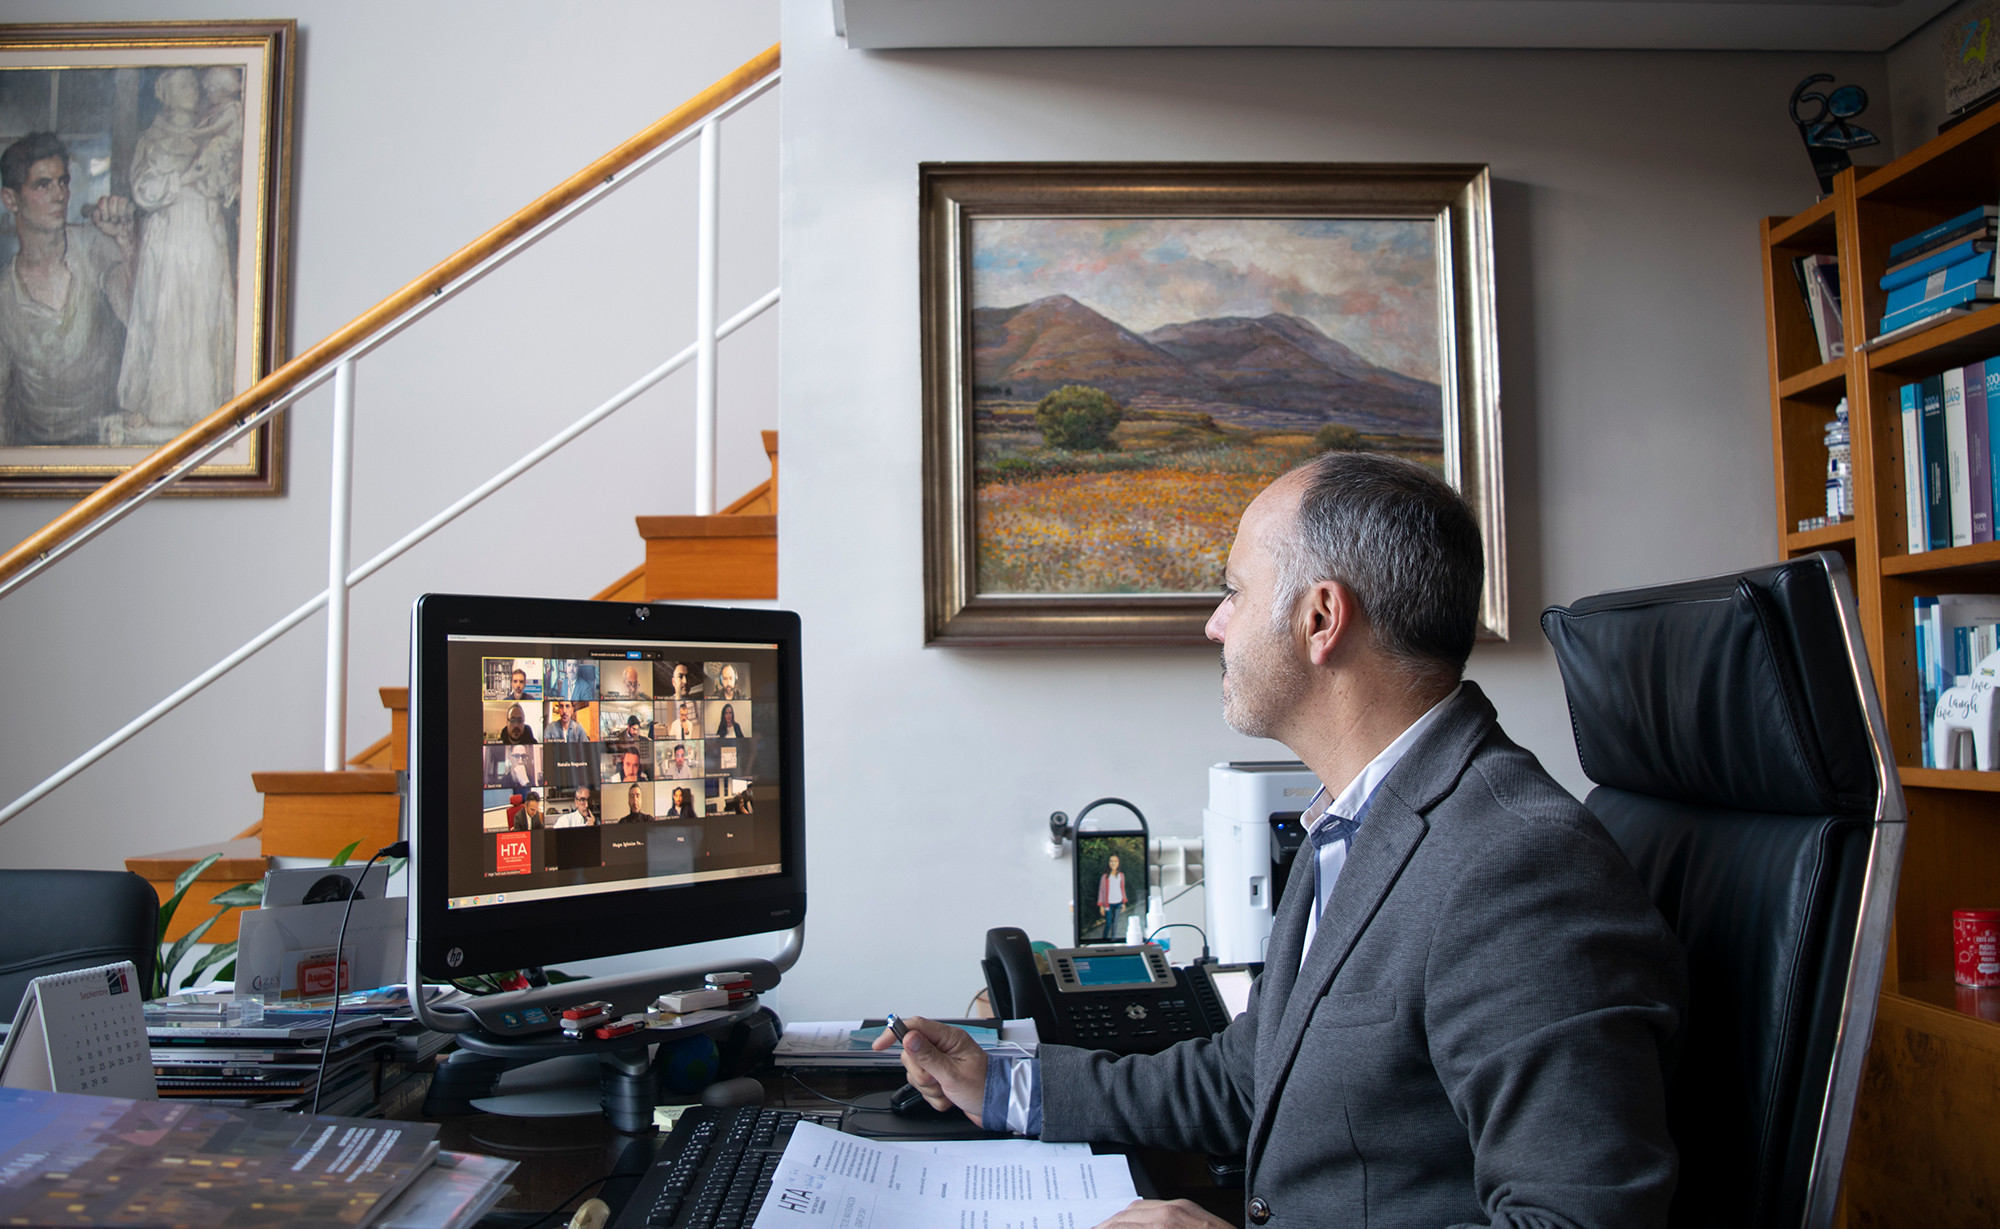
(848,1043)
(828,1178)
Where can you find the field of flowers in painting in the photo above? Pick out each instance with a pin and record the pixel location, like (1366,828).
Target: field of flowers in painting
(1154,515)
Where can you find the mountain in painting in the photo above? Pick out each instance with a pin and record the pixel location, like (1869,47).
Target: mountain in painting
(1276,363)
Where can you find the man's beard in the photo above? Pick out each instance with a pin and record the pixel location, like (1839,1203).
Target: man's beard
(1262,687)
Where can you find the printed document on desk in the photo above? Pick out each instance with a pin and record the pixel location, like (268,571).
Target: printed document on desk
(830,1179)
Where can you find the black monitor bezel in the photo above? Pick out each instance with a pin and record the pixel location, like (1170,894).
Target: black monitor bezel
(451,943)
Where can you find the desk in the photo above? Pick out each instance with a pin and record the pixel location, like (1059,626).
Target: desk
(558,1155)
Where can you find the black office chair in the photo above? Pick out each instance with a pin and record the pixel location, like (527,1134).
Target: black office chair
(63,920)
(1733,729)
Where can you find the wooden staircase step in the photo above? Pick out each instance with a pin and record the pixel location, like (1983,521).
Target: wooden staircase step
(392,750)
(241,862)
(317,814)
(705,557)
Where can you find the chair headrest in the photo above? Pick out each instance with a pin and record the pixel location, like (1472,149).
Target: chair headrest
(1736,691)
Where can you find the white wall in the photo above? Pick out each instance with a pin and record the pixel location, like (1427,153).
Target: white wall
(1629,187)
(419,126)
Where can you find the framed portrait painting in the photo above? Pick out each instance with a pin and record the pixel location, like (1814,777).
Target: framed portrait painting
(1119,356)
(145,174)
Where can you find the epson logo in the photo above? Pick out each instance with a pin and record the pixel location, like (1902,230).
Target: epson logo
(1300,792)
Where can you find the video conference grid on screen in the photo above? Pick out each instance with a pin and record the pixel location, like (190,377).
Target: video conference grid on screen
(604,766)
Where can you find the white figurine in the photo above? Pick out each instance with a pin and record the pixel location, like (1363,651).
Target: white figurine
(1967,709)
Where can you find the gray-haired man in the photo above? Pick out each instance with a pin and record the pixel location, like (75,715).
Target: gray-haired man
(1468,1003)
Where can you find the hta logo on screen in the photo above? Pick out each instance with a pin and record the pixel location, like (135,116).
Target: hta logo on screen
(512,853)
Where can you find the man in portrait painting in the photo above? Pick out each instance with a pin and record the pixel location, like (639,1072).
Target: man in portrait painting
(64,303)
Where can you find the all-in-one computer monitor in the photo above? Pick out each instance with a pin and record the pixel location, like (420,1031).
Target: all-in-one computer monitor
(590,779)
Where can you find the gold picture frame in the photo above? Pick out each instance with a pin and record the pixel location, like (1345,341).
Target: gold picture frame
(174,243)
(1227,311)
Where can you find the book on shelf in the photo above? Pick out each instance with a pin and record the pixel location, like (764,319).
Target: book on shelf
(1976,268)
(1971,293)
(1920,266)
(1913,471)
(1978,453)
(1958,472)
(1819,283)
(1973,221)
(1936,472)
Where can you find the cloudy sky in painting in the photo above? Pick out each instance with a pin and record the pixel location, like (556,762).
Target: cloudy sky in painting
(1371,285)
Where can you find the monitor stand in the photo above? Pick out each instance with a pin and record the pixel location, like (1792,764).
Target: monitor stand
(498,1033)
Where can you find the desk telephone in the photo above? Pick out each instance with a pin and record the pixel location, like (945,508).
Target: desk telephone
(1125,999)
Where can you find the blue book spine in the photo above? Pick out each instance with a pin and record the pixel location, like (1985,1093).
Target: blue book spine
(1979,451)
(1937,483)
(1968,218)
(1943,258)
(1992,369)
(1931,307)
(1961,652)
(1950,277)
(1920,636)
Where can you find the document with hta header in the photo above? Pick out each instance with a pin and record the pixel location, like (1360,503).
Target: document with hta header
(846,1182)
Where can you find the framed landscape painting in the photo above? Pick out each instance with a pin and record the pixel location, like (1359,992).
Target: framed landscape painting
(145,174)
(1119,356)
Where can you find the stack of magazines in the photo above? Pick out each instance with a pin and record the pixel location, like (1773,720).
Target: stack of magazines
(71,1159)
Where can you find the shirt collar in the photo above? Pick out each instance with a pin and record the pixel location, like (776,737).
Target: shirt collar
(1348,803)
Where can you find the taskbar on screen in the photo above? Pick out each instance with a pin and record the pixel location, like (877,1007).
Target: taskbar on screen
(621,885)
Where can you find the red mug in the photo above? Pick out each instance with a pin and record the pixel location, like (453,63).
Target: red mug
(1975,947)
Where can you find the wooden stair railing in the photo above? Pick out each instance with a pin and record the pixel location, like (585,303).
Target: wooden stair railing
(318,361)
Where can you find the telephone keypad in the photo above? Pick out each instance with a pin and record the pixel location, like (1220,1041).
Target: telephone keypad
(1132,1021)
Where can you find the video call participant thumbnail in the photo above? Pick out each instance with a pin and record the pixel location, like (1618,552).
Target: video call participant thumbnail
(570,722)
(632,681)
(514,769)
(571,678)
(677,680)
(686,721)
(677,761)
(727,680)
(727,720)
(526,816)
(681,804)
(513,678)
(568,765)
(627,766)
(633,805)
(581,811)
(506,723)
(728,757)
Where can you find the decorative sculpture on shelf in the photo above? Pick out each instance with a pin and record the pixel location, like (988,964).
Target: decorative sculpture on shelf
(1828,134)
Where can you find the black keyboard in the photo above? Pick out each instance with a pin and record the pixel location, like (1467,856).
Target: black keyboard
(714,1169)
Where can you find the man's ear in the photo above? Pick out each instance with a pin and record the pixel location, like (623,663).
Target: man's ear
(10,200)
(1329,618)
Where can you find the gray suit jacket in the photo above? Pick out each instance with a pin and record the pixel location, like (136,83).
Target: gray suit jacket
(1479,1035)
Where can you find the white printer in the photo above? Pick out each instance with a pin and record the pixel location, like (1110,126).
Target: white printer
(1249,831)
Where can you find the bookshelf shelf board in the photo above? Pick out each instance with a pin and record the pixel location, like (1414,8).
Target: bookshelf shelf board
(1979,559)
(1968,339)
(1975,1007)
(1811,229)
(1822,385)
(1950,778)
(1819,539)
(1963,165)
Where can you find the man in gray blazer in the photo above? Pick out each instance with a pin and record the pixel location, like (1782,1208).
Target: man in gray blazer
(1468,1003)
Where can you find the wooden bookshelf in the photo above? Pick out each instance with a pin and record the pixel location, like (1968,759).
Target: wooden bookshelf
(1928,1124)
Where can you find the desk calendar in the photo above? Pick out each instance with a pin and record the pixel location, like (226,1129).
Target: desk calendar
(81,1032)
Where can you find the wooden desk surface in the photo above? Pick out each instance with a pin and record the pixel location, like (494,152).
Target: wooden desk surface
(558,1155)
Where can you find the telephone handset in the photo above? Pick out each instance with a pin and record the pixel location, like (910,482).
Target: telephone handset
(1125,999)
